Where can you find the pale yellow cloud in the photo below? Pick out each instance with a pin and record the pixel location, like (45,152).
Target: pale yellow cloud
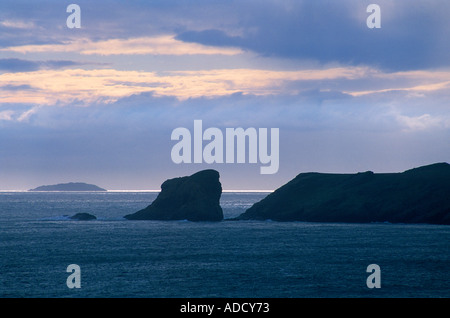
(416,83)
(108,85)
(17,24)
(418,89)
(158,45)
(64,86)
(53,86)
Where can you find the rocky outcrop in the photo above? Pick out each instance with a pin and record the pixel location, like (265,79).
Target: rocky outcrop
(83,217)
(192,198)
(420,195)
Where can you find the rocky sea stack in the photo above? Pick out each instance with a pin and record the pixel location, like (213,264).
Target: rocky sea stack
(192,198)
(420,195)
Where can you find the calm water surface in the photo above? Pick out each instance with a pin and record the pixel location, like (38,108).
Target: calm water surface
(122,258)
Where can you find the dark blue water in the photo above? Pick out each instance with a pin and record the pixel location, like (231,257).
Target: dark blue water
(122,258)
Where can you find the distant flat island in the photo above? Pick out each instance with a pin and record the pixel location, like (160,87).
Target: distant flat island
(71,186)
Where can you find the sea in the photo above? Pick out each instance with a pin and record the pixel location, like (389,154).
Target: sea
(119,258)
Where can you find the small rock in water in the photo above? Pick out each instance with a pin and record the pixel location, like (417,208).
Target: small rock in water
(83,217)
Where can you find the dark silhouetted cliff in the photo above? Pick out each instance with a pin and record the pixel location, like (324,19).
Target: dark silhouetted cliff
(420,195)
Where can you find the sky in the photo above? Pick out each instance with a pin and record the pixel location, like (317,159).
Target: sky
(98,104)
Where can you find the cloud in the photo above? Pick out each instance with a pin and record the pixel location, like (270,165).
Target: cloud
(108,85)
(17,24)
(422,122)
(211,37)
(345,97)
(67,85)
(24,87)
(6,115)
(128,141)
(18,114)
(20,65)
(158,45)
(412,36)
(310,110)
(417,90)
